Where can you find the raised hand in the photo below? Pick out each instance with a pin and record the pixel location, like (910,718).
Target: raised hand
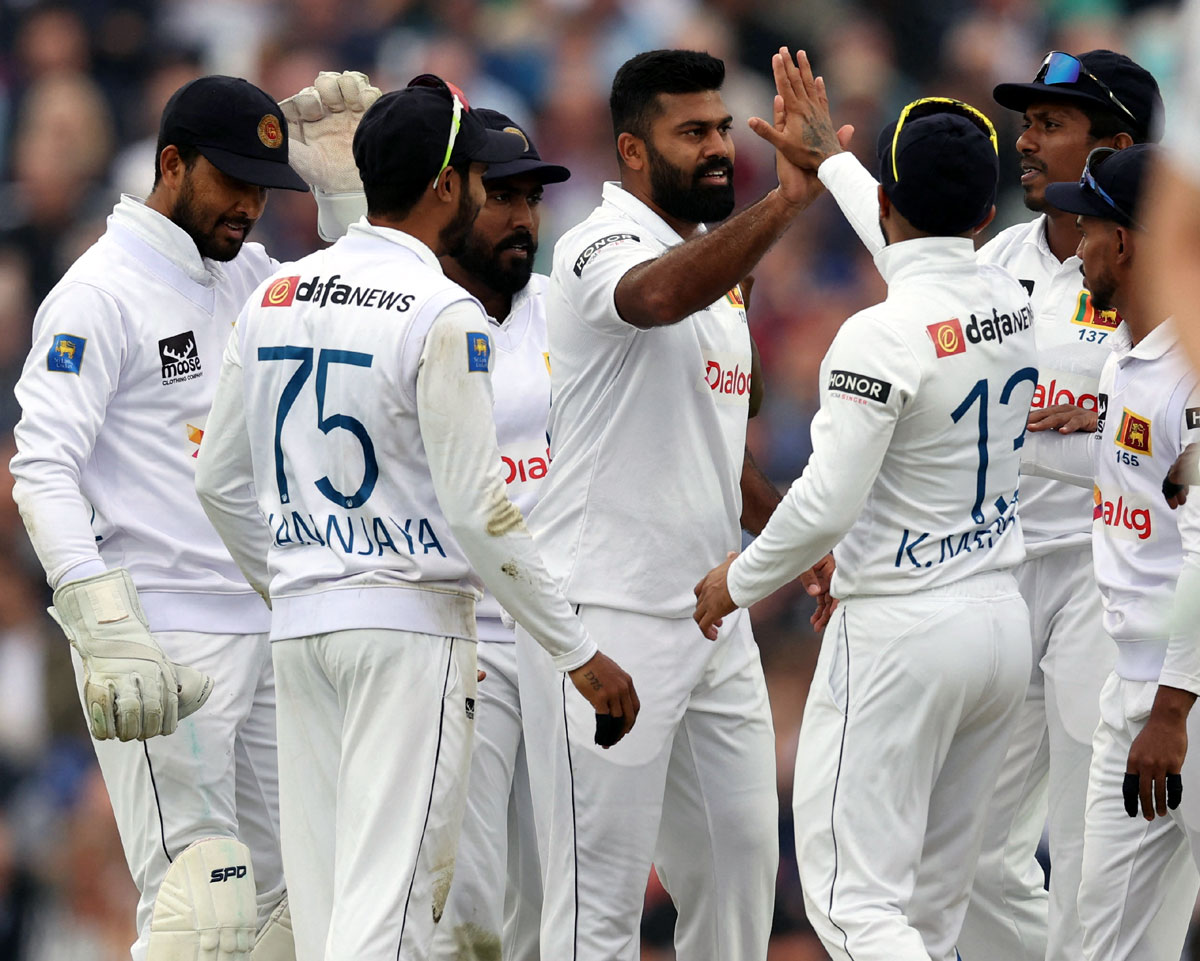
(801,131)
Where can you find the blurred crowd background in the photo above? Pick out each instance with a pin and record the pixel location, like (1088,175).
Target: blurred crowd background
(82,85)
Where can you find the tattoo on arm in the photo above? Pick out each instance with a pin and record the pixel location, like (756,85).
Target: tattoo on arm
(591,678)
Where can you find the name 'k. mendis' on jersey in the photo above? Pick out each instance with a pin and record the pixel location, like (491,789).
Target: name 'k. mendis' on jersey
(521,385)
(933,391)
(632,407)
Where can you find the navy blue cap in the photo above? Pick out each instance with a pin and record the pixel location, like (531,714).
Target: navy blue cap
(404,134)
(1111,185)
(236,127)
(530,162)
(1132,85)
(947,169)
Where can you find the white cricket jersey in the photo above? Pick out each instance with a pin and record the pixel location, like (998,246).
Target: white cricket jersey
(647,428)
(1072,340)
(356,396)
(1149,411)
(114,398)
(915,462)
(521,385)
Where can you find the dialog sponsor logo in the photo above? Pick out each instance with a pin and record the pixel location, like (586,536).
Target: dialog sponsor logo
(726,377)
(1128,517)
(1056,387)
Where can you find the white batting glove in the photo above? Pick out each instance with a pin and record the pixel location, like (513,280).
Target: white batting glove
(131,690)
(321,122)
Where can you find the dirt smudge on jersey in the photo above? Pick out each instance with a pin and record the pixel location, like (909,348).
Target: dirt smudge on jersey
(475,943)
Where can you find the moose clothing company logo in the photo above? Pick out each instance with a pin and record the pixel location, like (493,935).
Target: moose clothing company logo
(179,358)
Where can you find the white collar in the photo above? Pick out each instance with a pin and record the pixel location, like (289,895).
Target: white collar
(400,238)
(165,237)
(925,256)
(614,195)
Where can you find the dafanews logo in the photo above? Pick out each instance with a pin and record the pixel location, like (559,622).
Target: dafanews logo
(725,378)
(1133,433)
(999,325)
(596,246)
(1086,314)
(180,361)
(1065,388)
(1127,518)
(947,337)
(846,383)
(281,292)
(322,292)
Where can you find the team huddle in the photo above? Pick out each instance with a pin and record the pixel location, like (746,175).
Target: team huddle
(405,585)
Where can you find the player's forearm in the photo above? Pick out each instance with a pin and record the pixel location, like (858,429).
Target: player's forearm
(807,525)
(57,520)
(454,407)
(693,275)
(856,193)
(759,496)
(1168,271)
(1181,668)
(1068,458)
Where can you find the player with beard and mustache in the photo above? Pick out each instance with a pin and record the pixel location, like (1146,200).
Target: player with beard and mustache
(393,441)
(114,397)
(649,488)
(484,916)
(1072,106)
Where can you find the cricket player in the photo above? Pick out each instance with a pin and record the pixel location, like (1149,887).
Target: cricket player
(485,916)
(351,467)
(1073,105)
(914,478)
(114,397)
(1149,412)
(650,367)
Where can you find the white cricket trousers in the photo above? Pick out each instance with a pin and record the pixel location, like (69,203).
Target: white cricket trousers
(905,729)
(1139,877)
(691,789)
(486,917)
(215,776)
(1045,775)
(374,746)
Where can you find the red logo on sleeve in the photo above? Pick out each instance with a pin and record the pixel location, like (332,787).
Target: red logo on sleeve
(281,293)
(947,337)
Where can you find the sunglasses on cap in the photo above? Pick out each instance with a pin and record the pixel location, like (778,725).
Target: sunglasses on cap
(461,104)
(1063,68)
(1088,182)
(926,106)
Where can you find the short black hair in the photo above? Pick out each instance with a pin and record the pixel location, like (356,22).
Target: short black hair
(395,198)
(1104,123)
(187,153)
(634,99)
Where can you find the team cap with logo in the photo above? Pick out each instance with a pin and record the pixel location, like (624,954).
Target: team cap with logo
(530,162)
(236,127)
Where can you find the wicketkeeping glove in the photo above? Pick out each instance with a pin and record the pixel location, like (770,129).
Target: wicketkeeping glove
(131,690)
(321,122)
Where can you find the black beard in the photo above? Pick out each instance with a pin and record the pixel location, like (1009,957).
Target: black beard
(686,198)
(481,261)
(1102,293)
(453,237)
(185,216)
